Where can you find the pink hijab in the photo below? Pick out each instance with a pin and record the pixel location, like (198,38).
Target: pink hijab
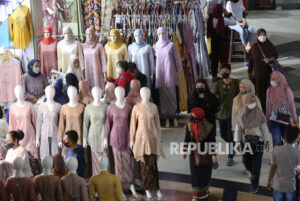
(134,93)
(84,95)
(277,93)
(93,42)
(164,41)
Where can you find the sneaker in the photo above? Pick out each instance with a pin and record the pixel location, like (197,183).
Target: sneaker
(230,162)
(253,189)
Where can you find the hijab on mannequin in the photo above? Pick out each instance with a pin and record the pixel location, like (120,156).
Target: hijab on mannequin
(139,38)
(91,41)
(47,30)
(68,36)
(116,39)
(162,37)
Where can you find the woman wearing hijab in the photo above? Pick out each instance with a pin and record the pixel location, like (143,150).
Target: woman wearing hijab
(59,95)
(34,82)
(252,131)
(202,97)
(75,68)
(217,30)
(259,69)
(134,96)
(281,109)
(199,131)
(84,95)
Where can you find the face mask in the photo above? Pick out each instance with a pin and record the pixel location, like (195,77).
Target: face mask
(225,75)
(251,106)
(200,90)
(66,144)
(118,71)
(243,92)
(262,38)
(11,145)
(273,83)
(36,70)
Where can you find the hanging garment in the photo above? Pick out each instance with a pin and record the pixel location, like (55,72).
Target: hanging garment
(95,64)
(65,50)
(24,118)
(197,25)
(144,58)
(47,127)
(93,131)
(112,58)
(75,188)
(91,14)
(10,77)
(20,27)
(106,14)
(4,34)
(71,118)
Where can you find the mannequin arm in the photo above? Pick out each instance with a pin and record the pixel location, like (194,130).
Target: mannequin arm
(39,123)
(84,192)
(108,124)
(125,56)
(119,193)
(59,57)
(61,127)
(86,124)
(92,189)
(177,60)
(152,62)
(133,123)
(80,55)
(103,59)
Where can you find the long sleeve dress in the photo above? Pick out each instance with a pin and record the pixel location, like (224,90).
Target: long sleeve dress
(49,187)
(47,128)
(24,118)
(48,57)
(21,189)
(117,133)
(112,58)
(75,187)
(93,131)
(144,59)
(64,51)
(95,65)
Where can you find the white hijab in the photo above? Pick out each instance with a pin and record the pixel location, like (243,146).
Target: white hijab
(71,39)
(76,71)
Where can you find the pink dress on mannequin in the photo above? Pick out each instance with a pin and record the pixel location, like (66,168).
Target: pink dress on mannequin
(24,118)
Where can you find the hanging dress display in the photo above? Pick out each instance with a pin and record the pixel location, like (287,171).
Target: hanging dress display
(92,14)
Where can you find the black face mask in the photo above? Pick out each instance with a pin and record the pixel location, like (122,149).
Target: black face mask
(10,145)
(200,90)
(66,144)
(225,75)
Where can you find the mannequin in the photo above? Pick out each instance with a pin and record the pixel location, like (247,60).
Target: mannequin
(109,96)
(94,57)
(67,47)
(22,116)
(48,185)
(48,52)
(47,124)
(142,54)
(20,187)
(73,185)
(168,63)
(117,132)
(106,185)
(93,128)
(115,51)
(146,112)
(71,117)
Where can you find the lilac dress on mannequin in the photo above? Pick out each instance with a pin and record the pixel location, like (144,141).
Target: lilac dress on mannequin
(167,64)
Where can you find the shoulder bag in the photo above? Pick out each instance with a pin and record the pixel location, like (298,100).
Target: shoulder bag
(274,65)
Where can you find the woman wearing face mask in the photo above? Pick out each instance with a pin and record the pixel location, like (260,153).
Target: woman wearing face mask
(259,69)
(202,97)
(15,150)
(34,82)
(125,77)
(252,131)
(281,109)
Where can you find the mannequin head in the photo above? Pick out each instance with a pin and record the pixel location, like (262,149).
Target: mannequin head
(47,33)
(90,34)
(47,164)
(119,93)
(18,165)
(145,94)
(68,33)
(50,92)
(161,32)
(72,164)
(104,163)
(113,37)
(72,93)
(138,35)
(97,94)
(19,92)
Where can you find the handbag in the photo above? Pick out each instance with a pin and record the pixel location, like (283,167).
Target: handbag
(202,159)
(274,65)
(283,117)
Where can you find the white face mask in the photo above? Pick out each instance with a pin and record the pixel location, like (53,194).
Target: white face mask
(118,71)
(36,70)
(252,106)
(273,83)
(262,38)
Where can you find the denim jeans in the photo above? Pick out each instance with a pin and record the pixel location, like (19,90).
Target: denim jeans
(226,133)
(242,33)
(277,130)
(282,196)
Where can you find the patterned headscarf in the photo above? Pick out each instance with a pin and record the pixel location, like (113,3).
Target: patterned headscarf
(118,43)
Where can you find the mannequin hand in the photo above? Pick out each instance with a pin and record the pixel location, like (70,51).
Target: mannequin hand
(84,143)
(105,144)
(37,143)
(60,144)
(131,145)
